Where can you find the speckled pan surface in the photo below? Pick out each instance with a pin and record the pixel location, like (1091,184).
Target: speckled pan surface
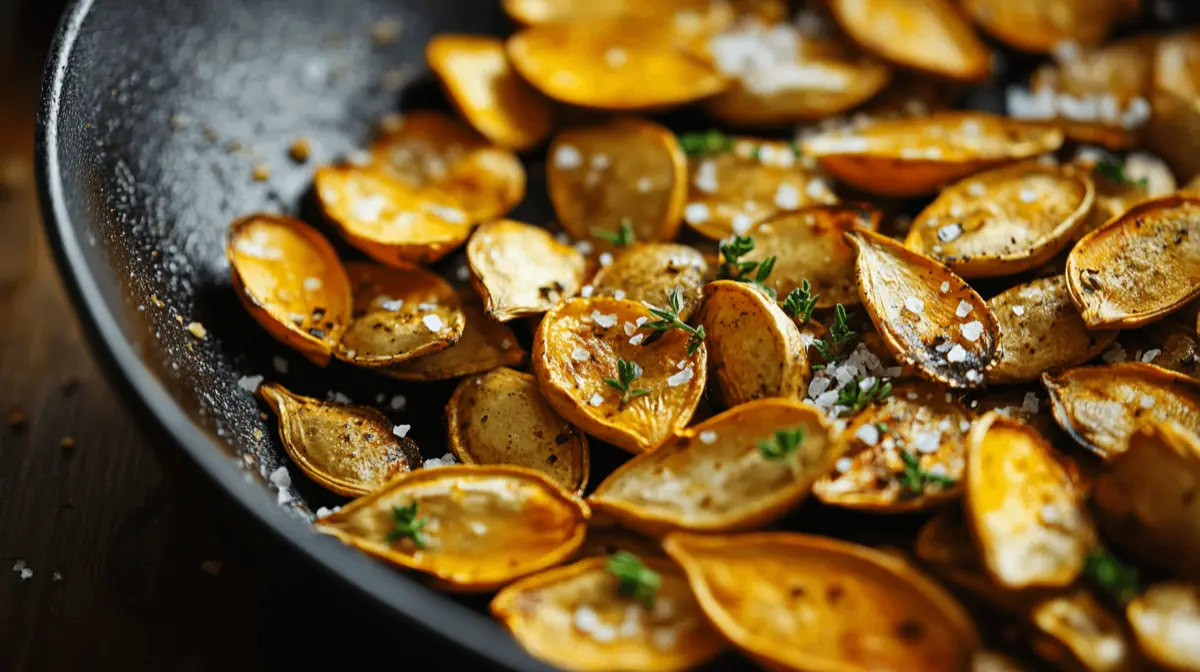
(155,114)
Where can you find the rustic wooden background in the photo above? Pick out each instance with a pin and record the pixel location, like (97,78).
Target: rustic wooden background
(134,566)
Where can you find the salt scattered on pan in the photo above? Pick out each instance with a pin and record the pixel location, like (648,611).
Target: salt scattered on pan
(972,330)
(682,377)
(945,287)
(696,213)
(1030,403)
(250,383)
(708,437)
(914,305)
(868,434)
(283,496)
(1114,354)
(580,355)
(444,461)
(280,364)
(432,322)
(567,157)
(956,354)
(1150,355)
(596,399)
(281,478)
(323,511)
(401,431)
(603,320)
(963,309)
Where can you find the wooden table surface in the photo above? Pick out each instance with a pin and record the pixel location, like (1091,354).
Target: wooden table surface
(134,567)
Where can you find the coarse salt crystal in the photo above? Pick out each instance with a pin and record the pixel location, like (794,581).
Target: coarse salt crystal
(444,461)
(644,185)
(950,232)
(937,470)
(741,223)
(313,284)
(584,247)
(1150,355)
(956,354)
(603,320)
(323,511)
(1027,195)
(432,322)
(596,399)
(606,259)
(945,287)
(708,437)
(281,478)
(705,179)
(392,305)
(787,197)
(427,307)
(586,291)
(843,465)
(976,189)
(250,383)
(696,213)
(1030,403)
(963,309)
(1147,401)
(280,364)
(630,328)
(972,330)
(618,294)
(1114,354)
(818,386)
(868,434)
(682,377)
(401,431)
(914,305)
(637,339)
(1018,310)
(567,157)
(927,442)
(580,355)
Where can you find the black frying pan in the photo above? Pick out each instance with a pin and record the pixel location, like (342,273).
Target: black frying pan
(154,113)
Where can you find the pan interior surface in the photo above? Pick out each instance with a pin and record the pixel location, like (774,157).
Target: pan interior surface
(162,121)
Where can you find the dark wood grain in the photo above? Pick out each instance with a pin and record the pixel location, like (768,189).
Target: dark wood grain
(115,539)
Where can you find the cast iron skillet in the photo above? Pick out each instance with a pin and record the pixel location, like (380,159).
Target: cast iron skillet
(154,113)
(145,104)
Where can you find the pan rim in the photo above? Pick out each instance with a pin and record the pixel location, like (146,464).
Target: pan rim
(405,597)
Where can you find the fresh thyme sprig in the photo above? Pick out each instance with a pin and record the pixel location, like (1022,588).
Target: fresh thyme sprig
(634,578)
(705,142)
(668,319)
(801,302)
(407,525)
(840,335)
(750,272)
(627,372)
(783,445)
(1114,171)
(1116,579)
(854,398)
(623,237)
(915,478)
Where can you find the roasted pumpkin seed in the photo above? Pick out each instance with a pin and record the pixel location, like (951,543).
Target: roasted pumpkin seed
(754,349)
(522,270)
(927,315)
(393,223)
(1120,186)
(475,72)
(1145,497)
(485,344)
(1164,621)
(350,450)
(767,593)
(735,471)
(927,35)
(732,190)
(580,346)
(1101,406)
(431,149)
(291,282)
(1026,511)
(627,170)
(1140,266)
(1041,330)
(471,528)
(1004,221)
(808,245)
(914,156)
(399,315)
(577,618)
(650,271)
(1174,92)
(500,418)
(1039,26)
(906,454)
(1076,631)
(612,64)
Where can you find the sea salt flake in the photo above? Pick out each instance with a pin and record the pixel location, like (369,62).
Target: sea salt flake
(964,309)
(1018,310)
(401,431)
(682,377)
(696,213)
(567,157)
(580,355)
(927,442)
(972,330)
(956,354)
(1147,401)
(281,478)
(945,287)
(603,320)
(843,465)
(596,399)
(914,305)
(1150,355)
(637,339)
(432,322)
(708,437)
(868,434)
(250,383)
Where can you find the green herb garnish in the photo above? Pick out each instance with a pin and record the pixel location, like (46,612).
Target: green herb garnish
(801,302)
(705,142)
(407,525)
(855,399)
(1118,580)
(785,444)
(627,372)
(840,334)
(1114,171)
(750,272)
(668,319)
(915,478)
(635,579)
(622,238)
